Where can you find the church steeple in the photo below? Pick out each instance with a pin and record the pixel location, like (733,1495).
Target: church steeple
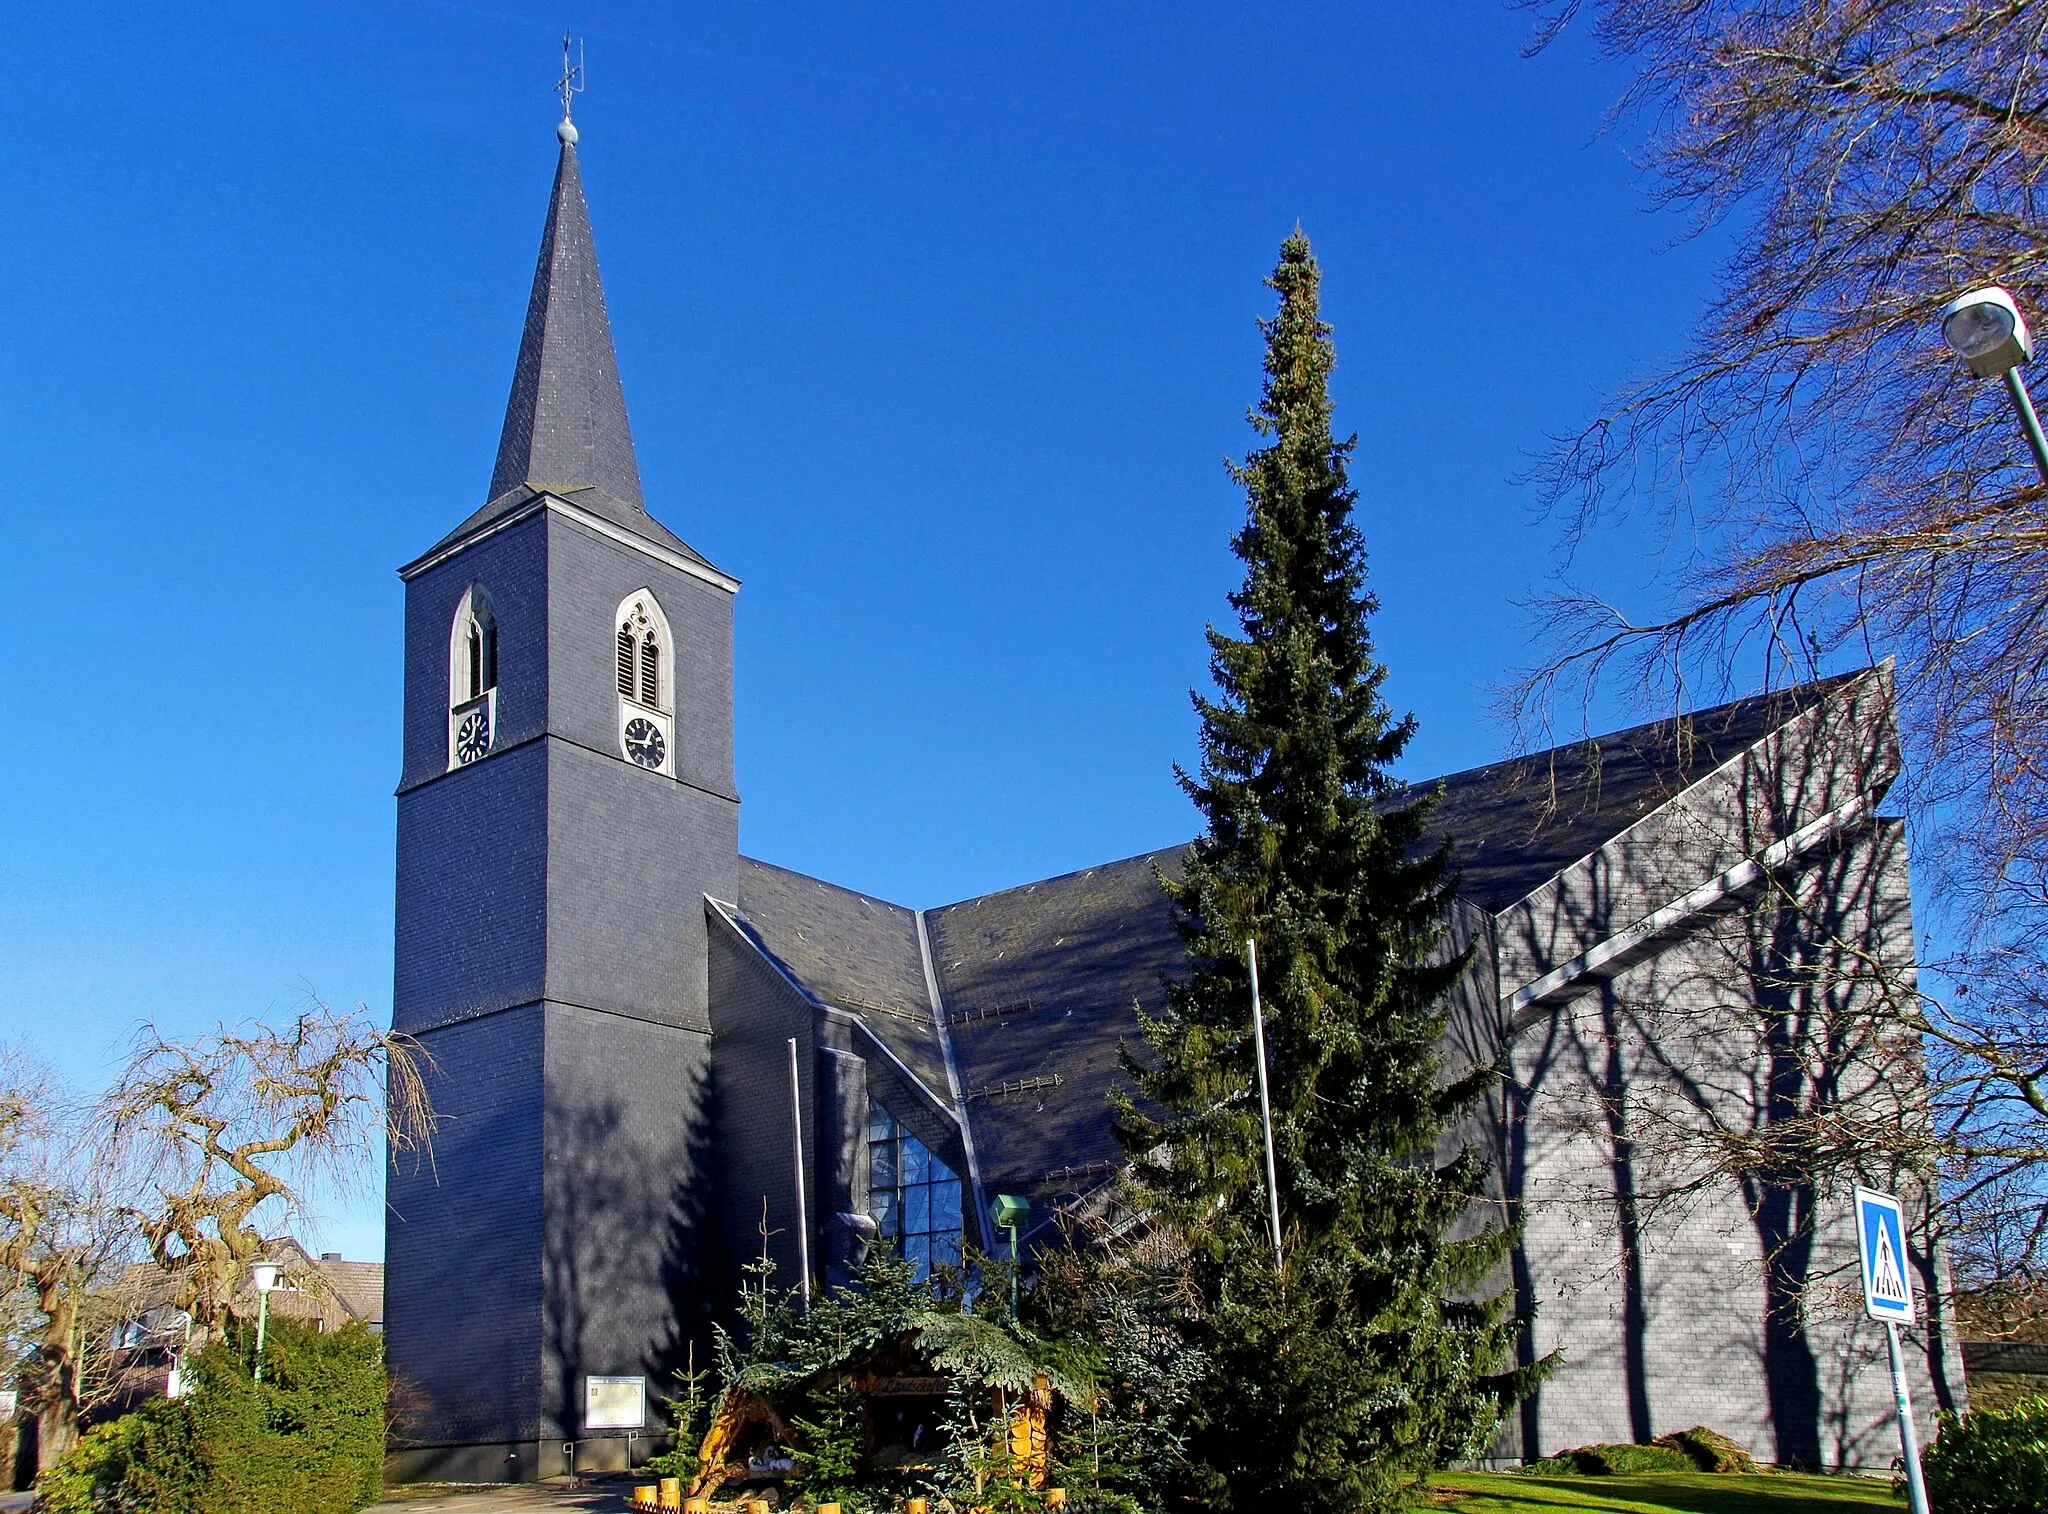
(566,436)
(565,426)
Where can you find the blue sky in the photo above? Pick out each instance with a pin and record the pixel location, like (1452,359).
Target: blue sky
(935,327)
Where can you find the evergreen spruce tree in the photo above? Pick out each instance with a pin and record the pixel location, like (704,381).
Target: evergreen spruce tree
(1336,1382)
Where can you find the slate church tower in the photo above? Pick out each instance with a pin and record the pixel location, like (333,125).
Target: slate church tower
(566,804)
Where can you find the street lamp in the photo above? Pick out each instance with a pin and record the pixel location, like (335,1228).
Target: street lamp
(264,1276)
(1986,330)
(1008,1211)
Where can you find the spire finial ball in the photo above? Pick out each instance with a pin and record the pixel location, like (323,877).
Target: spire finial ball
(567,132)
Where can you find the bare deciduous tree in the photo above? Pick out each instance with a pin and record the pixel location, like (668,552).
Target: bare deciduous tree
(218,1139)
(1833,487)
(61,1246)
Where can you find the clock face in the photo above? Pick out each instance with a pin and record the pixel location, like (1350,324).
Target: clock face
(473,736)
(644,744)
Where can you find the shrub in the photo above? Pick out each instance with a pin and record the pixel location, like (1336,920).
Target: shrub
(87,1472)
(1710,1451)
(1613,1460)
(1990,1461)
(145,1461)
(309,1438)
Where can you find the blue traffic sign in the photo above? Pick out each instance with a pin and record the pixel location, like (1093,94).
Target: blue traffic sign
(1881,1242)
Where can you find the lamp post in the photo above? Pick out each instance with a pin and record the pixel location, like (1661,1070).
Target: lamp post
(264,1276)
(1008,1212)
(1986,330)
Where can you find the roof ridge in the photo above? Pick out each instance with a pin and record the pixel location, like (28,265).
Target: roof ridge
(1818,688)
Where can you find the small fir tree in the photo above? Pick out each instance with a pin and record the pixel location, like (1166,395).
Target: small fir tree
(1338,1381)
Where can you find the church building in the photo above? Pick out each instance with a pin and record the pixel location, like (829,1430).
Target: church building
(648,1049)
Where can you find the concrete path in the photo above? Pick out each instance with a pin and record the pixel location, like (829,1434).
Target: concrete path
(599,1493)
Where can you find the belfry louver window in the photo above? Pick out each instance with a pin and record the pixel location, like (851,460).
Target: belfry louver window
(483,657)
(639,650)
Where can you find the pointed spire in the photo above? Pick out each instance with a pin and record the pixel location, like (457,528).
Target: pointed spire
(565,426)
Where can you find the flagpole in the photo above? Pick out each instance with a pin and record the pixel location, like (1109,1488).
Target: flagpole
(803,1218)
(1251,951)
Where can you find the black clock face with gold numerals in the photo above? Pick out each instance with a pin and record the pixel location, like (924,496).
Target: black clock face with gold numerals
(472,737)
(644,744)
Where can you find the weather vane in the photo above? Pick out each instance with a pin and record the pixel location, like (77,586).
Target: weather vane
(569,86)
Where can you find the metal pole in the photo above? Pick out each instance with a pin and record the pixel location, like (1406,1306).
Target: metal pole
(1251,951)
(803,1219)
(262,1321)
(1013,1270)
(2024,404)
(1909,1442)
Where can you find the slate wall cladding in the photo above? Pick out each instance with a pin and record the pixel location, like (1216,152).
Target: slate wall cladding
(1473,1036)
(469,931)
(631,855)
(588,576)
(555,870)
(1681,1335)
(842,1131)
(754,1012)
(625,1208)
(512,566)
(462,1245)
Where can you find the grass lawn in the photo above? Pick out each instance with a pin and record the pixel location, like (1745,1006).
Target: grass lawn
(1665,1493)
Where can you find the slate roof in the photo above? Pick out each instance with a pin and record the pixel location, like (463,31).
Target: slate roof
(850,950)
(1042,983)
(566,431)
(1515,825)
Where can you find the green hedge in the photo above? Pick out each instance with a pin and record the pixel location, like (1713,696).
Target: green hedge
(309,1438)
(1990,1461)
(145,1461)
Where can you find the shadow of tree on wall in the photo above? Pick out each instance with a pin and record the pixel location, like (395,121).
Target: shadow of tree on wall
(1736,1062)
(622,1278)
(1521,1090)
(694,1273)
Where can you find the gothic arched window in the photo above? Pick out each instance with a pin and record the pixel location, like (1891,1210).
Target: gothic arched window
(643,668)
(472,678)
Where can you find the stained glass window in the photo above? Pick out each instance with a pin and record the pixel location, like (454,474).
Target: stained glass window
(913,1196)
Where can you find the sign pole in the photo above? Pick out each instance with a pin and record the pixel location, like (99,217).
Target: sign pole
(1888,1299)
(1909,1442)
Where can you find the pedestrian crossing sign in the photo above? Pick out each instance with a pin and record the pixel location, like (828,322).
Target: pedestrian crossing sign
(1881,1241)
